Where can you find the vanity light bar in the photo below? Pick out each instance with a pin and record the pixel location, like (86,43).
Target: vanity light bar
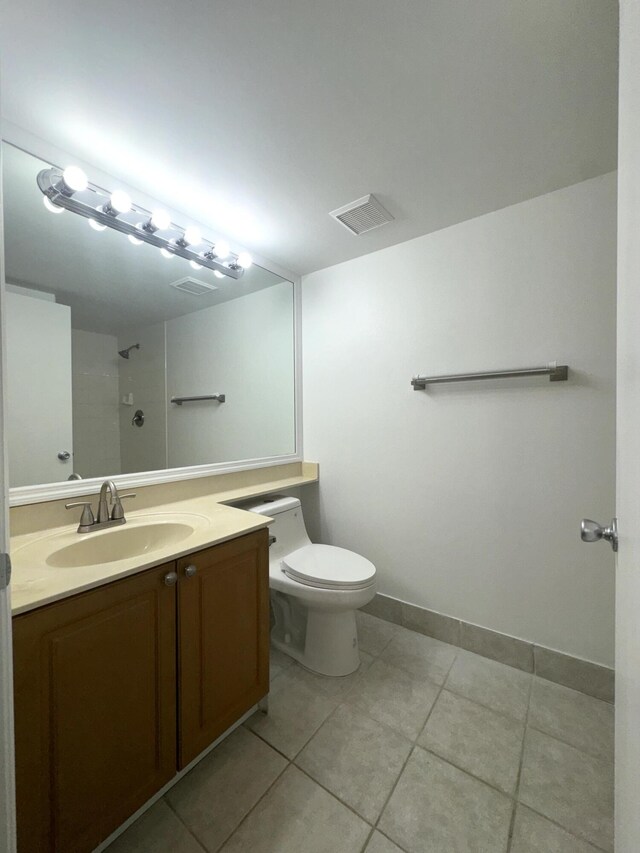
(70,190)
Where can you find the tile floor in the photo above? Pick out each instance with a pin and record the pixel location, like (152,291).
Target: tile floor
(426,748)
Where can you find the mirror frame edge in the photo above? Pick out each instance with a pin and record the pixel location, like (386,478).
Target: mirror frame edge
(22,495)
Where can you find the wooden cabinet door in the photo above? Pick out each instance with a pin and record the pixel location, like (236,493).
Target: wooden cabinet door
(95,709)
(223,638)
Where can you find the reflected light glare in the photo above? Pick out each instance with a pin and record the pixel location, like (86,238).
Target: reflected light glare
(160,220)
(192,236)
(51,207)
(75,179)
(97,226)
(166,253)
(134,240)
(219,274)
(222,249)
(120,201)
(128,156)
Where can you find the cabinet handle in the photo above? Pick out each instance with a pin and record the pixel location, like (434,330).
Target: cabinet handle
(171,578)
(190,571)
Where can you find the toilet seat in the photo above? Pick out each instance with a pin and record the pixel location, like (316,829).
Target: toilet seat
(328,567)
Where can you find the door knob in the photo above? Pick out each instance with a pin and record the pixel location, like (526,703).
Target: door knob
(190,571)
(171,578)
(64,455)
(591,531)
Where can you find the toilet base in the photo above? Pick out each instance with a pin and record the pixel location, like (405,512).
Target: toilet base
(330,645)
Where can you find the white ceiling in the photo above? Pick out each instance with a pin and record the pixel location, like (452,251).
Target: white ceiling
(257,119)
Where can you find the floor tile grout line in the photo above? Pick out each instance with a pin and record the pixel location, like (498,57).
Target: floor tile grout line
(466,772)
(382,650)
(339,704)
(572,745)
(376,825)
(366,841)
(388,837)
(270,745)
(564,829)
(411,751)
(186,826)
(516,793)
(334,795)
(528,725)
(251,810)
(483,705)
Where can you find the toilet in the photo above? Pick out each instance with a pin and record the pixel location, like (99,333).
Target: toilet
(315,592)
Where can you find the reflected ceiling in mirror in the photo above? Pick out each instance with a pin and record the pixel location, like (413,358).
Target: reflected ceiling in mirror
(100,330)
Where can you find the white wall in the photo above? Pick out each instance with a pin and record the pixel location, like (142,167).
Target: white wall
(96,434)
(468,497)
(142,376)
(243,349)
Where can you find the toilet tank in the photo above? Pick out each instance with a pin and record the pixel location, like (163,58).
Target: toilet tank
(287,525)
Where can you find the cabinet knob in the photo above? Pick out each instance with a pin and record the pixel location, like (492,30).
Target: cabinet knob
(190,571)
(171,578)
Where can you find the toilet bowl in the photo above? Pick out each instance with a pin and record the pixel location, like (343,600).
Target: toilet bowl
(315,592)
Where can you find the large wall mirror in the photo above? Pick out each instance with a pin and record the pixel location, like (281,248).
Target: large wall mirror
(102,335)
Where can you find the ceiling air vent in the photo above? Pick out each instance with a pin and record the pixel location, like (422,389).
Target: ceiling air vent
(362,215)
(193,286)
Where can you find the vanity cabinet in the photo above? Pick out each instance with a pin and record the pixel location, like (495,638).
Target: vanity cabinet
(223,626)
(118,688)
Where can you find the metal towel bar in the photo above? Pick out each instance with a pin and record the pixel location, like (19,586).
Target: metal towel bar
(555,372)
(180,400)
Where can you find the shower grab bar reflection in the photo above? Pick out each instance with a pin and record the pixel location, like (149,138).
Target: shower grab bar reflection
(555,372)
(180,400)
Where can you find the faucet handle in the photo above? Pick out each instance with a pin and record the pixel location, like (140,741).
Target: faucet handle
(86,519)
(118,512)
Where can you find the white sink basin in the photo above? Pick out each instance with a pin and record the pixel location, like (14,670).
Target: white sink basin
(119,543)
(139,536)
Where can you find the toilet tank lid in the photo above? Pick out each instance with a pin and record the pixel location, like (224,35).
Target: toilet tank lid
(274,505)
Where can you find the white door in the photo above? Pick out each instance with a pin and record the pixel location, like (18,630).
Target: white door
(7,783)
(628,440)
(38,389)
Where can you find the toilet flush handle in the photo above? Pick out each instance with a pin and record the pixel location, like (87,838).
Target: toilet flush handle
(272,540)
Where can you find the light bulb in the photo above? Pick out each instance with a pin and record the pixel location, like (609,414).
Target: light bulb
(51,207)
(195,265)
(192,236)
(219,274)
(120,202)
(222,249)
(160,220)
(97,226)
(166,253)
(134,240)
(75,179)
(244,260)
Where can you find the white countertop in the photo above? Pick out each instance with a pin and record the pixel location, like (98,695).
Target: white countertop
(35,582)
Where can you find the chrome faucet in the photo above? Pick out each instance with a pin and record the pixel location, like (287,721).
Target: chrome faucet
(105,519)
(103,509)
